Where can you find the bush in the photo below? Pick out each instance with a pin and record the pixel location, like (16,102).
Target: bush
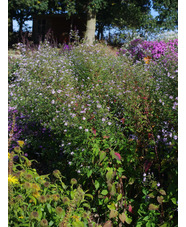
(35,200)
(113,123)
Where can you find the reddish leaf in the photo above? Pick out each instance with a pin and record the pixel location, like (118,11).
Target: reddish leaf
(108,224)
(149,135)
(130,209)
(118,156)
(92,117)
(147,165)
(123,120)
(94,131)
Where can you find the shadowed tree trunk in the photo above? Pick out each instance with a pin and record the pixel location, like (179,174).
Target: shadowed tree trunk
(90,28)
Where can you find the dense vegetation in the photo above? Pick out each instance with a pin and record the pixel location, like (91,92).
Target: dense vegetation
(104,125)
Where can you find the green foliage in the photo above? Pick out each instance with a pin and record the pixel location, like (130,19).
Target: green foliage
(23,10)
(35,200)
(168,13)
(113,127)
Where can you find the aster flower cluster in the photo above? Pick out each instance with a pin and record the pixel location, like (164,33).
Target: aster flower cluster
(139,49)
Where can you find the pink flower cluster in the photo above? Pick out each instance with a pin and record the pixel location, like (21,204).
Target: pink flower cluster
(139,48)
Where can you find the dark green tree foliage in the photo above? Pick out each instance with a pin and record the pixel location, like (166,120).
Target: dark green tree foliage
(124,14)
(168,13)
(22,10)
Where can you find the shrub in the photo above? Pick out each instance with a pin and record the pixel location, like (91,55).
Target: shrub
(113,123)
(35,200)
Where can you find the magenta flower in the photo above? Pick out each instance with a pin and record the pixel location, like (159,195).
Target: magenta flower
(118,156)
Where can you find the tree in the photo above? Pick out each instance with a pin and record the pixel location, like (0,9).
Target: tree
(22,10)
(168,13)
(109,12)
(131,14)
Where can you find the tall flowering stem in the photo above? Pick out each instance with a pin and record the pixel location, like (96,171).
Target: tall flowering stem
(10,164)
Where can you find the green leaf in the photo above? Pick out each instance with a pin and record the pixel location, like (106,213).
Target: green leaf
(113,190)
(50,223)
(128,220)
(72,194)
(164,225)
(153,207)
(119,197)
(162,192)
(154,184)
(102,156)
(108,224)
(174,201)
(151,195)
(160,199)
(122,217)
(131,181)
(49,208)
(109,175)
(120,170)
(113,213)
(89,173)
(104,192)
(106,200)
(33,198)
(96,184)
(89,195)
(111,206)
(86,205)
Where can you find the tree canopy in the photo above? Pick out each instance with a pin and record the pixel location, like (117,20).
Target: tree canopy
(119,13)
(168,13)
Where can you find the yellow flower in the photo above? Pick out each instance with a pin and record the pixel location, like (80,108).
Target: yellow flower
(20,143)
(147,59)
(12,180)
(36,194)
(76,218)
(21,217)
(35,187)
(8,155)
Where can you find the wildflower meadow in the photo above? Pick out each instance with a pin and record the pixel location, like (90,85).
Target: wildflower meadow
(93,135)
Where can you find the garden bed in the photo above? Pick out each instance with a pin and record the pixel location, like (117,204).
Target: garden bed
(104,124)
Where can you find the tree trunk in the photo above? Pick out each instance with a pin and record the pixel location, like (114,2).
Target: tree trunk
(90,28)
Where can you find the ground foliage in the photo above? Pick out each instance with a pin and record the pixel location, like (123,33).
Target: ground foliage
(108,121)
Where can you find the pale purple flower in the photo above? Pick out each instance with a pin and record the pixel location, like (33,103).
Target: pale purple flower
(103,119)
(84,118)
(86,130)
(53,92)
(109,123)
(80,127)
(53,102)
(158,184)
